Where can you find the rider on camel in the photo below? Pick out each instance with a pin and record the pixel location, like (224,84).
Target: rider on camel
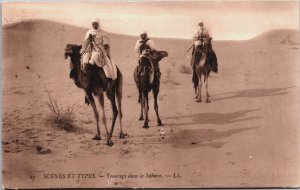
(200,36)
(97,54)
(143,43)
(143,47)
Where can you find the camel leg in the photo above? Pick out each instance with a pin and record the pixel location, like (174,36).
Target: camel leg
(206,87)
(199,99)
(119,101)
(115,114)
(197,86)
(141,102)
(92,102)
(146,108)
(195,80)
(196,92)
(155,94)
(101,102)
(142,115)
(140,96)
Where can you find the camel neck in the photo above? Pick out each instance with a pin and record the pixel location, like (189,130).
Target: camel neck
(75,58)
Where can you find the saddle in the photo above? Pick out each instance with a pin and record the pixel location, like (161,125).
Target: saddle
(198,54)
(145,67)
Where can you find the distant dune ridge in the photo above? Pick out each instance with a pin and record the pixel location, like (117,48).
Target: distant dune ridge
(279,34)
(31,31)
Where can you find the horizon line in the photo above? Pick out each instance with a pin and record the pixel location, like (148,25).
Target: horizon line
(130,35)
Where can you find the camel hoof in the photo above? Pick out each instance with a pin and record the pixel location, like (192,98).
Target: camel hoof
(97,138)
(121,136)
(207,101)
(198,100)
(146,126)
(141,119)
(159,124)
(109,143)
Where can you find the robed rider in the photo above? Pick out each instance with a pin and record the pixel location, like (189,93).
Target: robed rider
(143,47)
(202,34)
(97,54)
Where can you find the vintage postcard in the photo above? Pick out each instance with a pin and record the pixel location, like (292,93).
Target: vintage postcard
(177,94)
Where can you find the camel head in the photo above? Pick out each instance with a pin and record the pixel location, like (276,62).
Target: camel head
(156,56)
(72,49)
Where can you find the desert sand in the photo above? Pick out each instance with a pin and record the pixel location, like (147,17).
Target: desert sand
(248,136)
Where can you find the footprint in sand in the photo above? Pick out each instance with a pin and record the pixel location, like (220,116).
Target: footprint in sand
(231,163)
(71,155)
(86,121)
(5,143)
(228,153)
(245,172)
(19,92)
(42,150)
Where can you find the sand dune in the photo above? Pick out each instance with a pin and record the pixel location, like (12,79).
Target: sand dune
(246,137)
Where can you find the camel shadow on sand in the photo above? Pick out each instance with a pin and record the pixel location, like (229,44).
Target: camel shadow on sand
(203,137)
(192,138)
(252,93)
(213,118)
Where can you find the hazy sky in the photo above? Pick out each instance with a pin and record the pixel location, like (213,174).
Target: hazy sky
(226,20)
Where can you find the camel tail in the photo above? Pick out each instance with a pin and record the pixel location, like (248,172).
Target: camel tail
(119,92)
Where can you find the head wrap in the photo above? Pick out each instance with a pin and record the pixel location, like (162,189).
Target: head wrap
(144,32)
(200,23)
(95,20)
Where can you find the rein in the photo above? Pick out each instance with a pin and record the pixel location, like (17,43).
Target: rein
(97,44)
(92,44)
(93,40)
(84,51)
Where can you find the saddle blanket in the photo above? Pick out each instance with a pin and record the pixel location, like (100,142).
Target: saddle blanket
(108,65)
(144,62)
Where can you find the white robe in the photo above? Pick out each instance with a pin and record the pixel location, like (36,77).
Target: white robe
(137,46)
(98,55)
(201,31)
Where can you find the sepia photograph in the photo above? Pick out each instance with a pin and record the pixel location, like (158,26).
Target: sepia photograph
(150,94)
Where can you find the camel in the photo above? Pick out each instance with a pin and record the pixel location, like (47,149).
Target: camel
(146,80)
(98,88)
(203,68)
